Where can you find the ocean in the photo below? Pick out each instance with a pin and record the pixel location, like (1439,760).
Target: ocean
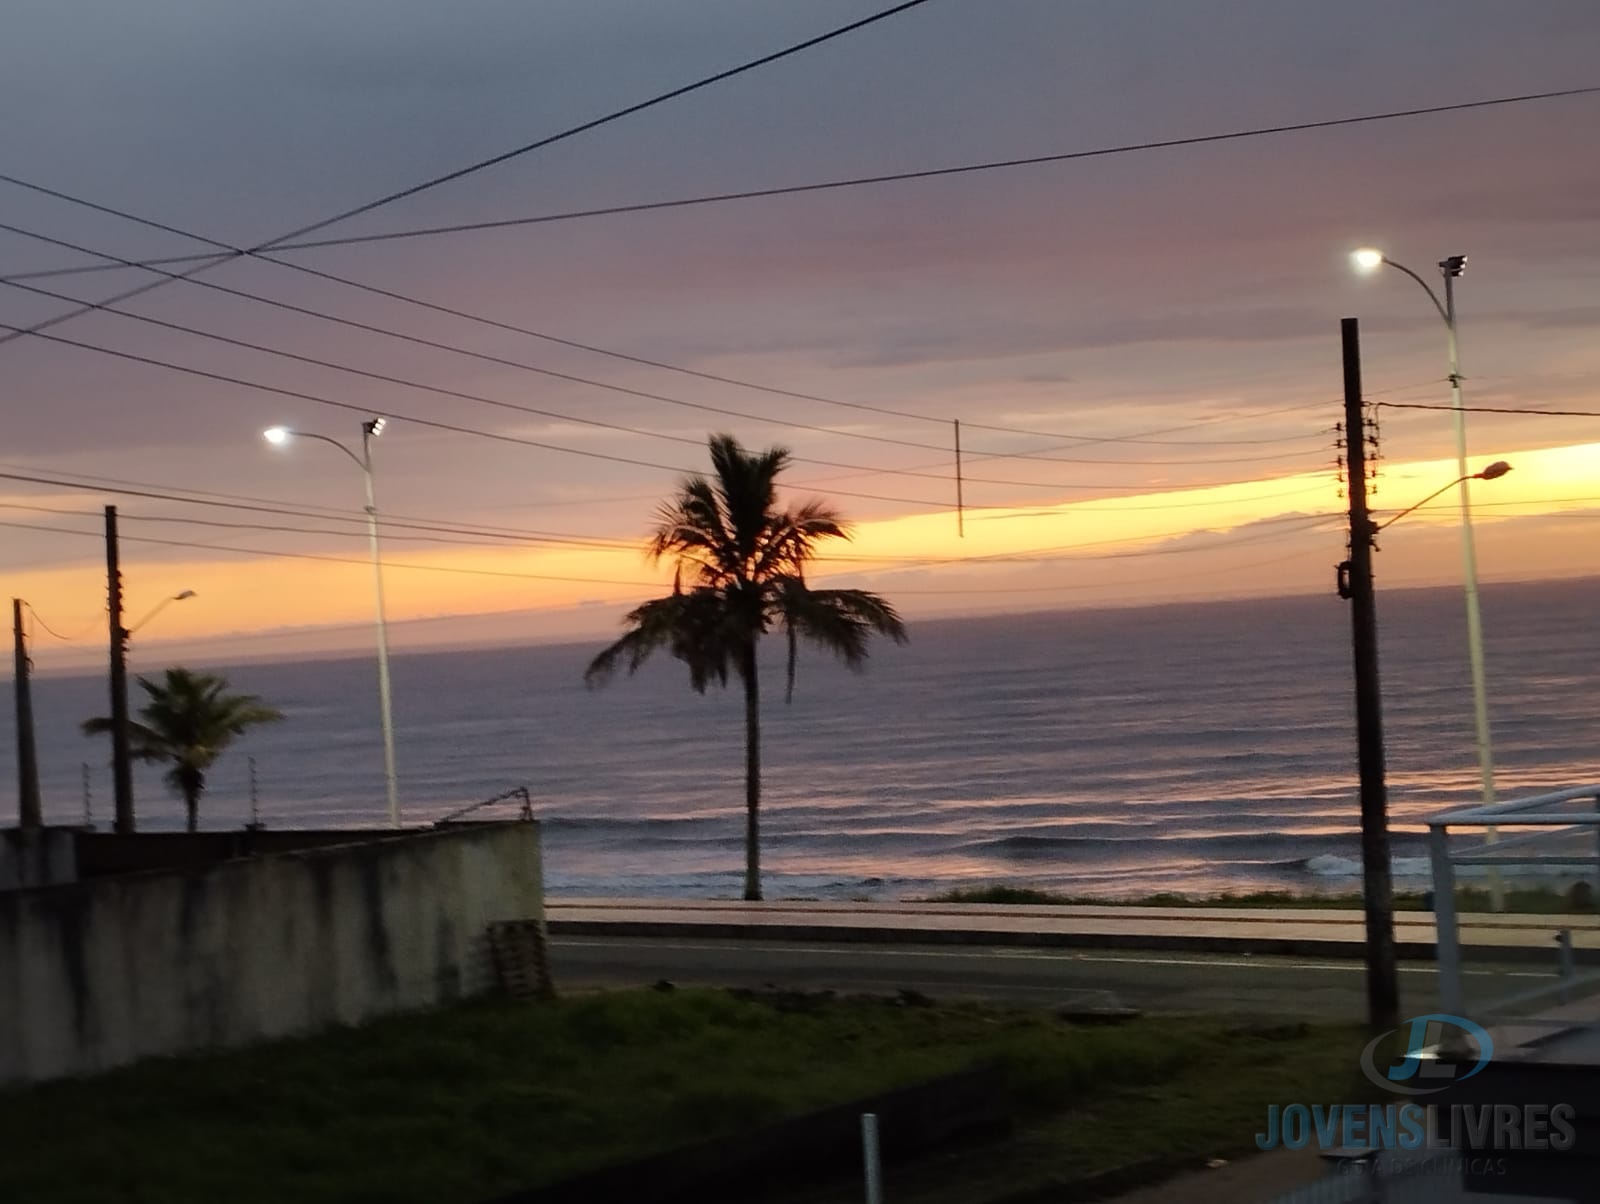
(1198,748)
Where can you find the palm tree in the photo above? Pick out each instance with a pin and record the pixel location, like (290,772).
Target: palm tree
(746,560)
(188,721)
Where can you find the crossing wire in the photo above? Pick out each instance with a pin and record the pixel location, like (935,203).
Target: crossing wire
(352,323)
(498,436)
(480,165)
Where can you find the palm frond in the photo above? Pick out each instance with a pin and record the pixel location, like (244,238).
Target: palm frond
(693,527)
(746,488)
(842,621)
(188,720)
(144,743)
(792,536)
(687,625)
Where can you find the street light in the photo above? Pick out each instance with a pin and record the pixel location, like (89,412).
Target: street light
(1369,259)
(159,607)
(370,430)
(1492,473)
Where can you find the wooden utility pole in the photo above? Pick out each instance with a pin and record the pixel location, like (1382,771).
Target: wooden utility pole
(121,758)
(961,516)
(1383,990)
(29,813)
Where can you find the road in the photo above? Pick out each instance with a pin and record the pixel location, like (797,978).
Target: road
(1311,988)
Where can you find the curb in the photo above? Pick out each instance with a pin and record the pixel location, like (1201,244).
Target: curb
(1148,942)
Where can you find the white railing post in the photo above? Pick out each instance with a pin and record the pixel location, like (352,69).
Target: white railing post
(1446,935)
(1597,845)
(869,1150)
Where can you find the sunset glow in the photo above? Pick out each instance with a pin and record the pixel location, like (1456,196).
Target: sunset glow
(1062,544)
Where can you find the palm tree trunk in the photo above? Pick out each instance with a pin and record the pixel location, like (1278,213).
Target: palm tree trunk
(752,772)
(193,784)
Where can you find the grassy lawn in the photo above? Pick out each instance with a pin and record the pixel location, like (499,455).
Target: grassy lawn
(483,1099)
(1531,901)
(1210,1104)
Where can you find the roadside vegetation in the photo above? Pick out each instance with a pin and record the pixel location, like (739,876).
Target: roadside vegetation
(1578,900)
(488,1098)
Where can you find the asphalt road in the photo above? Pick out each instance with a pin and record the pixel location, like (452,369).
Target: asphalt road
(1328,989)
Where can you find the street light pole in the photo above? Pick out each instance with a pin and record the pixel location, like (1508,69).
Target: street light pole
(1450,268)
(370,430)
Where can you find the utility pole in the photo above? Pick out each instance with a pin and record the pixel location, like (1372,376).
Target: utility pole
(1383,991)
(121,759)
(961,518)
(29,814)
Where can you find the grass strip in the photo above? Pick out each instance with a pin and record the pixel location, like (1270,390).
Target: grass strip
(490,1097)
(1579,900)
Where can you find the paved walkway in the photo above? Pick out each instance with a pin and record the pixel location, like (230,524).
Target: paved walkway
(1325,932)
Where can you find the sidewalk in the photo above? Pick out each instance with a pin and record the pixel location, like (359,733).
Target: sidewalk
(1322,932)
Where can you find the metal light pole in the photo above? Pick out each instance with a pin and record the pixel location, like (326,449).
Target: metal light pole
(1450,268)
(370,430)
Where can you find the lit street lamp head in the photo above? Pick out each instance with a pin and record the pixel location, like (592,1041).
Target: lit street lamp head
(1453,265)
(374,426)
(1367,259)
(276,435)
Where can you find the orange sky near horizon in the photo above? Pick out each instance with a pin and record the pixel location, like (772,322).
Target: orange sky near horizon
(239,599)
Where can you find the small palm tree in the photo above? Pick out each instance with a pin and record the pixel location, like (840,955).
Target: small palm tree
(747,561)
(188,721)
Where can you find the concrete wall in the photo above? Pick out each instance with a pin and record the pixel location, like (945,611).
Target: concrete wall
(41,857)
(103,853)
(102,973)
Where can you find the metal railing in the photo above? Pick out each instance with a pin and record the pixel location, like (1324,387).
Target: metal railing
(518,795)
(1568,823)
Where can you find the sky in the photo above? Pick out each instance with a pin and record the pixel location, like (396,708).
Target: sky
(1158,331)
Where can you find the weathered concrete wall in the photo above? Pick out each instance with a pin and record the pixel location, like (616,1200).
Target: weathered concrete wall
(103,853)
(102,973)
(43,857)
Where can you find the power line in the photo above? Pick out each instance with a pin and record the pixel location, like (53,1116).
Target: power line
(1023,555)
(551,373)
(65,639)
(516,439)
(286,242)
(1060,552)
(478,539)
(263,506)
(1417,405)
(1098,508)
(387,564)
(596,123)
(1306,523)
(864,407)
(90,482)
(1076,585)
(344,405)
(480,165)
(290,243)
(424,342)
